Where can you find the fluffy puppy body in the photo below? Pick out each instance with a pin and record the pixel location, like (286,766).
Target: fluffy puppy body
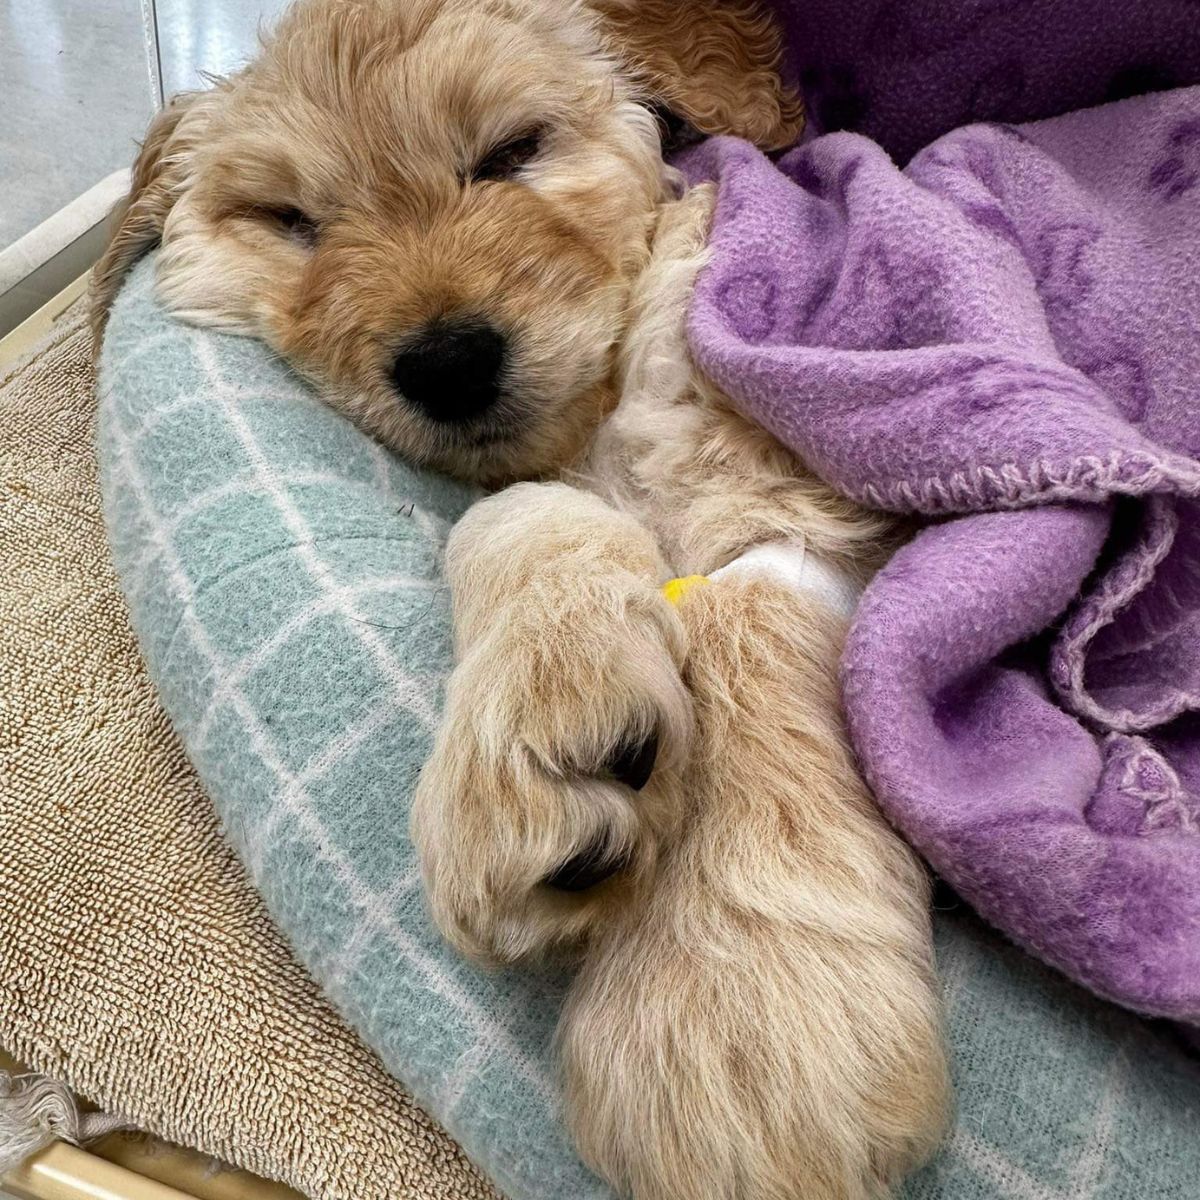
(755,1017)
(664,793)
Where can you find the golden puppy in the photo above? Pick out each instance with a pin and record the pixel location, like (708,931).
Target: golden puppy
(455,218)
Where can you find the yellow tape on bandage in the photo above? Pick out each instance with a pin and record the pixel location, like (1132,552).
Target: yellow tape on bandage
(676,589)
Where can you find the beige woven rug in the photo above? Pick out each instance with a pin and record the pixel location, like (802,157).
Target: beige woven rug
(136,963)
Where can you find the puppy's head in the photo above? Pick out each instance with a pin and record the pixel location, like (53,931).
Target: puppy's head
(435,208)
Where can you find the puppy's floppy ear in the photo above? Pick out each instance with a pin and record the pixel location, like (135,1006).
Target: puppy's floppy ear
(137,221)
(714,63)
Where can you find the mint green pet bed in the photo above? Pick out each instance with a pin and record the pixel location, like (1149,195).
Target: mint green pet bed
(282,574)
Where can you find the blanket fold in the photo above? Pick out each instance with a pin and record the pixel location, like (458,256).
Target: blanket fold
(1005,333)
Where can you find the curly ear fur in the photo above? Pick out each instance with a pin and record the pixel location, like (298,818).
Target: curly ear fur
(713,62)
(137,220)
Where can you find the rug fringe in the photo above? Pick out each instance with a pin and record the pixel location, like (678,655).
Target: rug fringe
(36,1110)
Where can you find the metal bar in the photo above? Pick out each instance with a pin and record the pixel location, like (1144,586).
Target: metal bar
(63,1172)
(153,53)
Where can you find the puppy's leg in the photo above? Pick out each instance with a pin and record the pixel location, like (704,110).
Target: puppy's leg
(554,777)
(763,1025)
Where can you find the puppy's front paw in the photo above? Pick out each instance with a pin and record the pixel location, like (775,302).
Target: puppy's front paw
(554,780)
(766,1025)
(750,1062)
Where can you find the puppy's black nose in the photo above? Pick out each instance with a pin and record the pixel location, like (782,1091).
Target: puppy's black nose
(451,370)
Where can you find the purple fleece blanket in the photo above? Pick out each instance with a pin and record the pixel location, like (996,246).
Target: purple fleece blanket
(1005,336)
(906,71)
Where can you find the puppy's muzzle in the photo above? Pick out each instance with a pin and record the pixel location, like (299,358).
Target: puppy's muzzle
(452,370)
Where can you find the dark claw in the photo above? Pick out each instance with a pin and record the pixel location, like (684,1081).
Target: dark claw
(945,898)
(633,763)
(588,868)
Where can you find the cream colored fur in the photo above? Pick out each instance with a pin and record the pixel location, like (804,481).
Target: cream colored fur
(754,1016)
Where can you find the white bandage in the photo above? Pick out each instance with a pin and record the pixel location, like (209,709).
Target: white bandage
(791,564)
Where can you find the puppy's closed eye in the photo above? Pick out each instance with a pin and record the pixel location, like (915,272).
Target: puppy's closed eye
(298,225)
(502,162)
